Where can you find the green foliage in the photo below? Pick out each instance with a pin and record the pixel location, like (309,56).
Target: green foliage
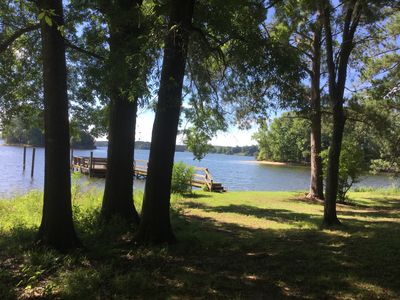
(381,165)
(371,127)
(27,129)
(24,129)
(20,67)
(236,150)
(82,140)
(393,190)
(197,143)
(47,15)
(379,130)
(351,166)
(181,177)
(286,140)
(382,101)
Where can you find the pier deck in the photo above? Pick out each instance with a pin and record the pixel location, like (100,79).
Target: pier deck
(97,167)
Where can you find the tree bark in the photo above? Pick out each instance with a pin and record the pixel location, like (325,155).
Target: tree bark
(316,184)
(155,226)
(56,229)
(332,181)
(124,34)
(118,191)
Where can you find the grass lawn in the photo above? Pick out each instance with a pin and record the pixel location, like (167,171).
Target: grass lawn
(240,245)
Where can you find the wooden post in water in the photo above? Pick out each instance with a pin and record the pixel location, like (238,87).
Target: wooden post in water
(24,159)
(33,161)
(90,163)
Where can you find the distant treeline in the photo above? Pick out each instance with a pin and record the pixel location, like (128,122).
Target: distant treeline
(21,132)
(237,150)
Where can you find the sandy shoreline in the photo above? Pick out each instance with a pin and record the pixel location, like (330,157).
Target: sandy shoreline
(274,163)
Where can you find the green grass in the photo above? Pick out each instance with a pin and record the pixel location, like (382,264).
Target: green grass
(240,245)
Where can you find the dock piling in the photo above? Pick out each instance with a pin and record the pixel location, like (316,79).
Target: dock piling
(24,159)
(33,161)
(91,164)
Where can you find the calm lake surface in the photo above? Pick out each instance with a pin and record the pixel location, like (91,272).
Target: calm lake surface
(235,172)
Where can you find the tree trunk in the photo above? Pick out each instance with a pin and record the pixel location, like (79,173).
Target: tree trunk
(155,226)
(118,191)
(337,82)
(317,180)
(316,184)
(332,181)
(123,21)
(56,229)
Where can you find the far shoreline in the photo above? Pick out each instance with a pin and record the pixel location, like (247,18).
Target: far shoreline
(277,163)
(31,146)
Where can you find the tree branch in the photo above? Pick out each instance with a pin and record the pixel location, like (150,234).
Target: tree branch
(8,41)
(84,51)
(353,13)
(216,49)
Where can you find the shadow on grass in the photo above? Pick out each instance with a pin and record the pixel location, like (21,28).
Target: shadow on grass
(277,215)
(373,214)
(11,259)
(359,260)
(212,260)
(381,203)
(196,196)
(386,202)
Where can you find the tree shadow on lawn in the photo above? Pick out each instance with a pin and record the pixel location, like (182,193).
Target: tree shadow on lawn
(11,262)
(277,215)
(383,203)
(360,257)
(196,196)
(218,260)
(373,213)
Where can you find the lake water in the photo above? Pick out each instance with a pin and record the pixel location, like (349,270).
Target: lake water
(235,172)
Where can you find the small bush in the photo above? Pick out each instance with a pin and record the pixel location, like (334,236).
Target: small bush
(351,166)
(181,177)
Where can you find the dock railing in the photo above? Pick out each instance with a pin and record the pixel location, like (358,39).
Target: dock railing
(202,177)
(97,167)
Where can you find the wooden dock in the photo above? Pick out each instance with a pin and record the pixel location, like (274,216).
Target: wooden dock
(97,167)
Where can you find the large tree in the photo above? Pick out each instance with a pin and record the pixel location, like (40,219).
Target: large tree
(123,18)
(155,226)
(337,72)
(302,23)
(118,34)
(56,228)
(350,16)
(316,182)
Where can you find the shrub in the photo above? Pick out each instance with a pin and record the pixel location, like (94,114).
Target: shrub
(351,166)
(181,177)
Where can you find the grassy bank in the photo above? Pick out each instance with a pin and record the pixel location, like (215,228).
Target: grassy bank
(234,245)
